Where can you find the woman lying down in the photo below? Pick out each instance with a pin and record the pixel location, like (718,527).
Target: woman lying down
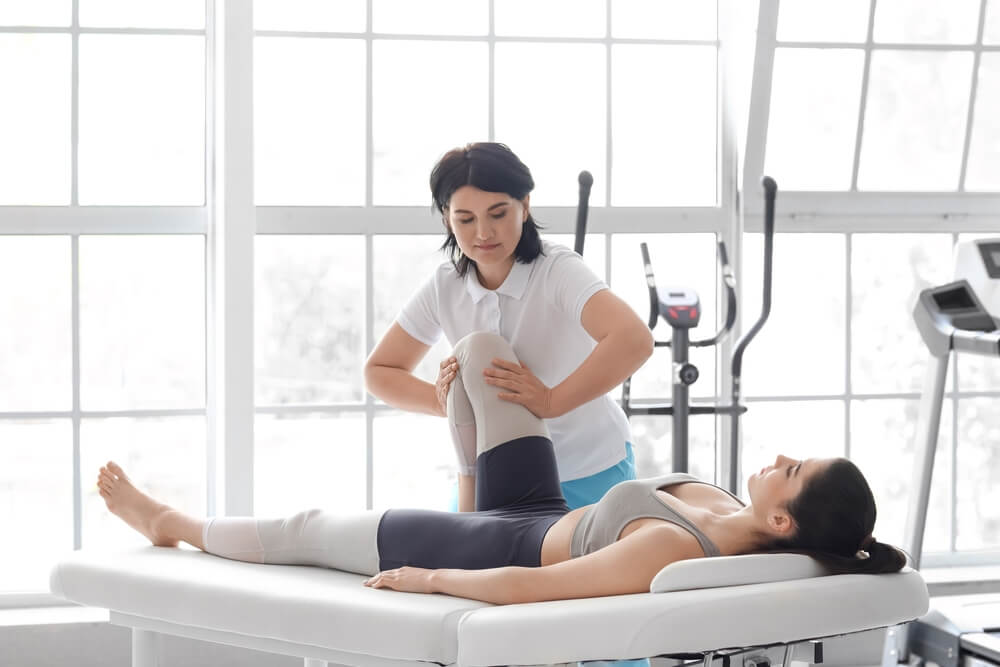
(523,544)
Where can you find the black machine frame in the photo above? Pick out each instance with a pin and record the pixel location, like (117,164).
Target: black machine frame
(683,372)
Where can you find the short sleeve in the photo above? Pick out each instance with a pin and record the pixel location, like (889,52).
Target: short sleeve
(571,283)
(419,316)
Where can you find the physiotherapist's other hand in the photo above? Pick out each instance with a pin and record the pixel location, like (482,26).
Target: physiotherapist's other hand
(447,373)
(406,579)
(521,387)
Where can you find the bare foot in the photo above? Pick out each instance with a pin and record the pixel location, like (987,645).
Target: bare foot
(132,505)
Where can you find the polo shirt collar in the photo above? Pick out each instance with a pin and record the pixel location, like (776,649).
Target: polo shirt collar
(513,286)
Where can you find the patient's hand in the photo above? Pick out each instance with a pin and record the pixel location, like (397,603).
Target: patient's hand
(406,579)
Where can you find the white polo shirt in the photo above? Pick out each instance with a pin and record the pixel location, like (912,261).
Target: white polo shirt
(538,310)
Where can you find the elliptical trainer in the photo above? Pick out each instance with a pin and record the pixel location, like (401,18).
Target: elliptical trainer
(680,308)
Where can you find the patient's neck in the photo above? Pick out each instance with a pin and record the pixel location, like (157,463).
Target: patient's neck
(734,533)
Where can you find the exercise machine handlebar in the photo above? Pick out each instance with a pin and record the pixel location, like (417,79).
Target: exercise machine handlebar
(770,193)
(586,182)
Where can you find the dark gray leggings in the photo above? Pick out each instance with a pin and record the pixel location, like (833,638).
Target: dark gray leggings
(517,495)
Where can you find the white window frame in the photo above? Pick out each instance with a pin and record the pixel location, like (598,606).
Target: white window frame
(854,212)
(230,220)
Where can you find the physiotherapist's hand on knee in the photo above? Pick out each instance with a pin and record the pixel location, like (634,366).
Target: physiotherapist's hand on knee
(521,387)
(447,373)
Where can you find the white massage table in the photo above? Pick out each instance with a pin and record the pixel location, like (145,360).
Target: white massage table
(704,607)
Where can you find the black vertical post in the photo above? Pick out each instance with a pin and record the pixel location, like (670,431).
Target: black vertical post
(679,344)
(582,208)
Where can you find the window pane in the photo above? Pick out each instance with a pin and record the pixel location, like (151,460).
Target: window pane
(660,19)
(163,457)
(35,355)
(431,17)
(653,446)
(402,265)
(770,429)
(36,472)
(35,119)
(309,461)
(978,501)
(648,124)
(983,172)
(888,271)
(801,348)
(142,322)
(415,464)
(550,109)
(37,13)
(814,118)
(310,15)
(991,28)
(142,119)
(142,13)
(309,121)
(309,314)
(593,250)
(882,446)
(679,260)
(811,21)
(926,21)
(915,120)
(406,71)
(550,18)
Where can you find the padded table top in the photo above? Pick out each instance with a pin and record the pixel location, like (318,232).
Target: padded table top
(331,609)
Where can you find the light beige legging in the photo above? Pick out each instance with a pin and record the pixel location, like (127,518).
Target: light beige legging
(478,421)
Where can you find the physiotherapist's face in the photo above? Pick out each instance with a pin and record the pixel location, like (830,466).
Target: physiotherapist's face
(487,225)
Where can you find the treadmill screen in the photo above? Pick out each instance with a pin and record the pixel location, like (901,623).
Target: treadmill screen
(950,300)
(990,253)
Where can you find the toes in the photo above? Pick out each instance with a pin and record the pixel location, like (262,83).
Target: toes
(116,469)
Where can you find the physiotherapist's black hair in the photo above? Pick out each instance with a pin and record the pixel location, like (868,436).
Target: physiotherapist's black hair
(491,167)
(834,515)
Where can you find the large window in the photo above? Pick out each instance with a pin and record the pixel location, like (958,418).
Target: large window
(879,117)
(353,107)
(890,95)
(102,268)
(874,116)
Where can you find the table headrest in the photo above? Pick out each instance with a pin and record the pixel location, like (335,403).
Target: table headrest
(686,575)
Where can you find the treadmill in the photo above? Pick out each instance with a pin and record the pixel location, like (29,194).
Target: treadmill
(961,316)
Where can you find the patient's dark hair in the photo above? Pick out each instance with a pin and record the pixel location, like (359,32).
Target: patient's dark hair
(834,515)
(491,167)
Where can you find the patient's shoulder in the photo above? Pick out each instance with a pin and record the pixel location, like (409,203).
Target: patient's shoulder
(664,540)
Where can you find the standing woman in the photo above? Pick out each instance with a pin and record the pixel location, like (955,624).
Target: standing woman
(575,339)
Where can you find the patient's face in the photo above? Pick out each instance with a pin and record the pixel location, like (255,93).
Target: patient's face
(777,484)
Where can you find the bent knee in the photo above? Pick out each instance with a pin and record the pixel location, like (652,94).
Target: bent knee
(479,348)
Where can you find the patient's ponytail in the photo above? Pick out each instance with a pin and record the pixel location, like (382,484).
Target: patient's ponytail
(834,515)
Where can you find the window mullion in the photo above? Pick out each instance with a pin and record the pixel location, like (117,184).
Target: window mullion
(973,90)
(231,237)
(863,102)
(760,98)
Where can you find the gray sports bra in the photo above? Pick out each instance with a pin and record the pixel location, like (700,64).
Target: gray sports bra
(602,523)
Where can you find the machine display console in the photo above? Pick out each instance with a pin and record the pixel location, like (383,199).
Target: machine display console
(991,258)
(953,300)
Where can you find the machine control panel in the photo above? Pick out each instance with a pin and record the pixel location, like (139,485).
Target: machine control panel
(951,310)
(679,306)
(990,252)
